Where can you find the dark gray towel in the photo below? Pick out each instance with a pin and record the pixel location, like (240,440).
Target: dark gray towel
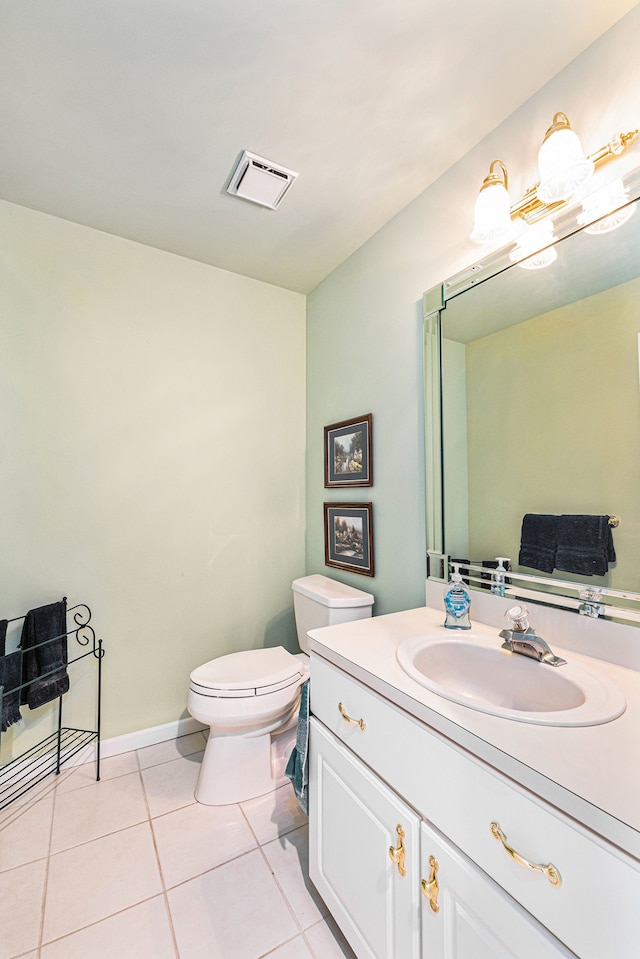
(585,545)
(44,654)
(539,541)
(298,766)
(10,679)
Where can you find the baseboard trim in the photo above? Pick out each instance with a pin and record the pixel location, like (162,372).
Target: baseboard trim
(149,737)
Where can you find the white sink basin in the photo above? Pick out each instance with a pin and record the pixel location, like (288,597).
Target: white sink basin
(474,671)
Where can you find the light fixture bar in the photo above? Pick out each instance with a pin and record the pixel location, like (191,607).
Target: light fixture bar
(530,208)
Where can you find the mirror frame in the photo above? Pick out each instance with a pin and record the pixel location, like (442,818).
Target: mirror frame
(614,604)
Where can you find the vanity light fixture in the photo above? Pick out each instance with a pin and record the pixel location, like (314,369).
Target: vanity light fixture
(562,165)
(564,170)
(606,209)
(492,219)
(535,248)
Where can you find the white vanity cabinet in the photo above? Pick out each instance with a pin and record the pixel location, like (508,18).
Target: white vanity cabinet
(395,886)
(374,767)
(471,918)
(355,823)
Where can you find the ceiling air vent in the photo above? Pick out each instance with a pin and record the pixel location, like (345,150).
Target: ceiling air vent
(260,180)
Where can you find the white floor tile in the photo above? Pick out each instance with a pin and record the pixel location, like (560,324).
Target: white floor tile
(327,942)
(25,836)
(96,810)
(21,893)
(142,932)
(85,775)
(275,814)
(296,949)
(97,879)
(172,749)
(170,785)
(33,794)
(196,838)
(233,912)
(104,887)
(289,860)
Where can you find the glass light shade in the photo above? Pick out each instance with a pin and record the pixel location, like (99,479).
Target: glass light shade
(562,165)
(534,248)
(540,260)
(492,216)
(610,223)
(605,210)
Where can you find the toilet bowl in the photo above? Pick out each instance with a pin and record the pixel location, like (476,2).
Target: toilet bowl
(244,698)
(250,699)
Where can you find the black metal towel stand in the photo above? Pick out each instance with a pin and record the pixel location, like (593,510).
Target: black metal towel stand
(47,756)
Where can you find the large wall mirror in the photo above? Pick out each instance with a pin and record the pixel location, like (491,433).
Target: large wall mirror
(532,398)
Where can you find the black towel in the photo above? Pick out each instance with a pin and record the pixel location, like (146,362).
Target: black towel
(10,679)
(585,545)
(538,541)
(44,654)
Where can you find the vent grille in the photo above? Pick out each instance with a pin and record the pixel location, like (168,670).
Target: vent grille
(260,181)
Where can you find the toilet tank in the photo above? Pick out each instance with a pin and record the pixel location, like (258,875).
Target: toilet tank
(320,601)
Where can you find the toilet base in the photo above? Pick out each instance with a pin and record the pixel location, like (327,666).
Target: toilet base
(281,748)
(234,769)
(238,768)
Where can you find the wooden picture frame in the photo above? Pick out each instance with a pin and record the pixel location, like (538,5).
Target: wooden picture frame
(348,459)
(348,537)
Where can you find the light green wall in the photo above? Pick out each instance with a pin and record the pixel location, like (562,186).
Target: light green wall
(364,356)
(364,348)
(569,440)
(151,454)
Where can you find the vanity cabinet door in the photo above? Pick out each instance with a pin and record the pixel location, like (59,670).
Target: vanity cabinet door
(352,827)
(465,915)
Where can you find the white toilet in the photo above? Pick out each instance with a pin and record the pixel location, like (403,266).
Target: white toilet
(250,699)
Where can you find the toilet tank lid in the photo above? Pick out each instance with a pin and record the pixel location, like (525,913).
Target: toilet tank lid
(329,592)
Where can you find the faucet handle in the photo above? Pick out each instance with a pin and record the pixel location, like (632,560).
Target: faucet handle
(590,602)
(519,616)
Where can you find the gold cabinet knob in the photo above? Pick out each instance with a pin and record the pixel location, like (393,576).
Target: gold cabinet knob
(397,853)
(430,887)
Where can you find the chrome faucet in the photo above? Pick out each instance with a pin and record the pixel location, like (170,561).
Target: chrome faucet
(521,638)
(590,602)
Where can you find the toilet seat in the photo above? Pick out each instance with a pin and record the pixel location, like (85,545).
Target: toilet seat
(251,672)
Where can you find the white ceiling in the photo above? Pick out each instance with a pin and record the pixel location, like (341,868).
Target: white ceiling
(128,115)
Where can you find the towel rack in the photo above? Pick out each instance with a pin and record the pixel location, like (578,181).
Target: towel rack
(49,754)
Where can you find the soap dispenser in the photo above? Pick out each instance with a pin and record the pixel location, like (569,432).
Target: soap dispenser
(456,602)
(498,577)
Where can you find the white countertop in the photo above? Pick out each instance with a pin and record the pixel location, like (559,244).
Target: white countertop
(591,773)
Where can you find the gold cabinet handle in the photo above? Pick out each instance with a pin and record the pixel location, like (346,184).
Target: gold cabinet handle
(359,722)
(397,853)
(549,870)
(430,887)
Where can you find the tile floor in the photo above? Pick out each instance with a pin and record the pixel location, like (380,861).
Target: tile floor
(133,867)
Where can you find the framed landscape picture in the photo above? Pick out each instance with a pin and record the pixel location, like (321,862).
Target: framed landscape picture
(348,537)
(347,453)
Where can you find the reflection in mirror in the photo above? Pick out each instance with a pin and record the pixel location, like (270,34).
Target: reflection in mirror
(537,404)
